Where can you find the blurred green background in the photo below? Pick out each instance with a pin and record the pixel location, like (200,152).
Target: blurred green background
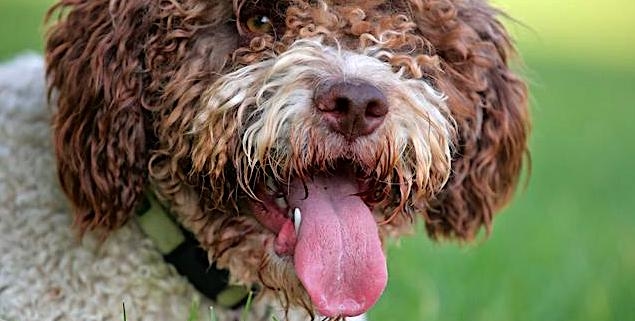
(565,249)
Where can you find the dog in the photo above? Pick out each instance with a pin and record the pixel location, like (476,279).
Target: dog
(290,139)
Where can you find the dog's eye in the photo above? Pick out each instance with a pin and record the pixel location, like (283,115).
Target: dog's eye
(259,24)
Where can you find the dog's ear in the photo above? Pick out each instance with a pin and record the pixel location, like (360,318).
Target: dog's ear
(94,79)
(489,104)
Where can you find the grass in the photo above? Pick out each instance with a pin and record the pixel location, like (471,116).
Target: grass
(565,249)
(21,25)
(590,31)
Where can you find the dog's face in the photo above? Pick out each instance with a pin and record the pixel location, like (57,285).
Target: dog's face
(290,136)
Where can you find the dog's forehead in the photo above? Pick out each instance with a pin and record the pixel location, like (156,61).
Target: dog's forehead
(391,5)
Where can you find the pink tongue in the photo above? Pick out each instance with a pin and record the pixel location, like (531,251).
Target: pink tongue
(338,254)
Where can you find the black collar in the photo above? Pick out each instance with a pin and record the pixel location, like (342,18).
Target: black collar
(181,249)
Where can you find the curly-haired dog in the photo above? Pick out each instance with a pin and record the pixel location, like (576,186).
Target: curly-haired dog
(289,137)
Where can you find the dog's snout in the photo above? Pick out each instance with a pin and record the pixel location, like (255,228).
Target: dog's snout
(351,108)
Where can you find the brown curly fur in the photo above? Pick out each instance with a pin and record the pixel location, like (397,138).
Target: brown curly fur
(129,77)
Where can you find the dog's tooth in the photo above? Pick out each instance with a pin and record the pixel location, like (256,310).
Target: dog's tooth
(281,202)
(297,219)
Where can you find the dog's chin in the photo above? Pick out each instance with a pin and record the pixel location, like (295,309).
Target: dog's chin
(324,226)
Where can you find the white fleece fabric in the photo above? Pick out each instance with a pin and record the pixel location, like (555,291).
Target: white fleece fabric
(46,273)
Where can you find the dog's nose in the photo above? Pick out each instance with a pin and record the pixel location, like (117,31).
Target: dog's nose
(352,108)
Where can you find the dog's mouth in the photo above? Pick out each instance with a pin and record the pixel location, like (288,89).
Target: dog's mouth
(332,237)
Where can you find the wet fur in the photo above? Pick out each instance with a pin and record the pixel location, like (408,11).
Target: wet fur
(130,78)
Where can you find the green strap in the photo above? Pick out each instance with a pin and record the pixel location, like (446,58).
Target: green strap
(232,296)
(158,226)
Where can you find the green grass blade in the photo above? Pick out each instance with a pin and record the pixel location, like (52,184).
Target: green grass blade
(212,314)
(193,315)
(243,316)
